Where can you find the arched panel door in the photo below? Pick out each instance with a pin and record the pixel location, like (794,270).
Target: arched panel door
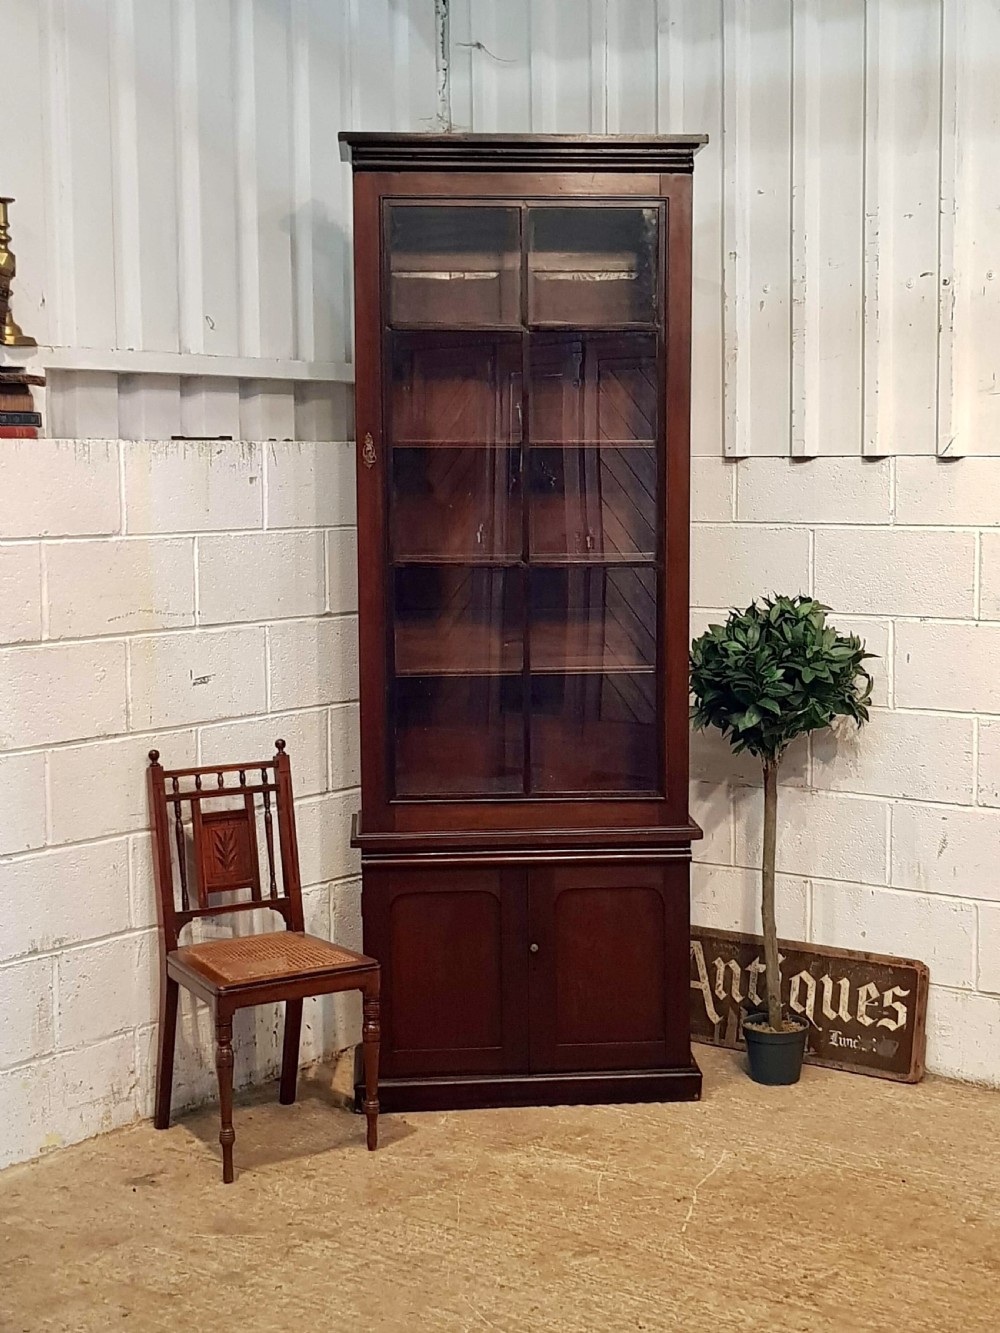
(608,967)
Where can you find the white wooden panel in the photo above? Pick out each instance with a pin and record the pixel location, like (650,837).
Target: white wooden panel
(368,52)
(827,226)
(689,101)
(264,178)
(321,228)
(507,57)
(210,408)
(414,39)
(323,412)
(560,67)
(206,144)
(631,66)
(144,165)
(544,65)
(149,407)
(969,388)
(180,193)
(26,92)
(460,55)
(757,222)
(598,66)
(81,136)
(266,410)
(902,162)
(83,407)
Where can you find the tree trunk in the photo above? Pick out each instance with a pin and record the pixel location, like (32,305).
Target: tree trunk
(772,975)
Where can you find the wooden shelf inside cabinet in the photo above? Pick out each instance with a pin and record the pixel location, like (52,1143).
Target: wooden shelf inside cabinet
(533,326)
(522,348)
(590,444)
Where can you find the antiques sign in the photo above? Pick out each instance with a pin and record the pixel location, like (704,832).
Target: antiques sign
(866,1011)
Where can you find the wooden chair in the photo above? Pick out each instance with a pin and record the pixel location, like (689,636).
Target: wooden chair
(229,974)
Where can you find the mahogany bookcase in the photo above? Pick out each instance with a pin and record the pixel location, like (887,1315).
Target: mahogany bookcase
(522,359)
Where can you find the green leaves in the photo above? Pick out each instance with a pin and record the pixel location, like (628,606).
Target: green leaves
(776,671)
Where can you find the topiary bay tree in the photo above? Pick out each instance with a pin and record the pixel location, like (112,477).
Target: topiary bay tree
(772,673)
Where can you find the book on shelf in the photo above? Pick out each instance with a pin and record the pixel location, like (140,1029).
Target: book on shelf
(11,378)
(18,432)
(16,402)
(20,418)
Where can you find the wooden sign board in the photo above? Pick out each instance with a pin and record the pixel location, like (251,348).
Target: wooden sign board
(867,1012)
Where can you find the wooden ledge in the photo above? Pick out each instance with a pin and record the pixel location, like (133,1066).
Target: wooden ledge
(370,151)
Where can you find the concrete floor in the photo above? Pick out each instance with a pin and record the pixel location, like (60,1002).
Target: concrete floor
(845,1203)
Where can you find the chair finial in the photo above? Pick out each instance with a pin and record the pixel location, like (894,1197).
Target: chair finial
(279,745)
(154,756)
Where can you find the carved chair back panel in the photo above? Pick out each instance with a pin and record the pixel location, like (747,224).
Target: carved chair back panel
(224,841)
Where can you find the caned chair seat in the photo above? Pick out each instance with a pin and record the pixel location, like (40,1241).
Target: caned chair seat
(279,955)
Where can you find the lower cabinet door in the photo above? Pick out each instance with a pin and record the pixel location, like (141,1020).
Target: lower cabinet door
(609,969)
(454,969)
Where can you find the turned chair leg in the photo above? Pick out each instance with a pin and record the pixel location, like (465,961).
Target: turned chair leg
(290,1052)
(165,1051)
(224,1066)
(370,1035)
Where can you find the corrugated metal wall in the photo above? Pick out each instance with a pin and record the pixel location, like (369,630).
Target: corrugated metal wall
(182,209)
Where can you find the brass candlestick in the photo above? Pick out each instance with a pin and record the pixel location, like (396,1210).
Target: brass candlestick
(10,332)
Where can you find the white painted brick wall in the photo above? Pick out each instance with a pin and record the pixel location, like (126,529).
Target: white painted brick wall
(735,562)
(146,600)
(197,677)
(989,588)
(118,587)
(889,839)
(261,576)
(129,572)
(192,486)
(988,788)
(61,692)
(20,593)
(878,572)
(988,975)
(59,488)
(818,490)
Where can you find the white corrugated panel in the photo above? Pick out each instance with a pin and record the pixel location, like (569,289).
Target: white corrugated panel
(969,393)
(183,219)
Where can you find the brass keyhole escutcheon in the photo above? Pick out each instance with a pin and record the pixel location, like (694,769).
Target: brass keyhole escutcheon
(368,455)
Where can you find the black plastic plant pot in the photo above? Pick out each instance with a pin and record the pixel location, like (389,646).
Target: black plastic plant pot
(775,1058)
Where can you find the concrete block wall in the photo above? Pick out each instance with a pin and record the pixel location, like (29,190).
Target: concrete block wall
(201,598)
(888,839)
(195,597)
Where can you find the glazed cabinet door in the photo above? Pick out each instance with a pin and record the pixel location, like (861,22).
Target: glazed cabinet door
(513,508)
(609,967)
(454,969)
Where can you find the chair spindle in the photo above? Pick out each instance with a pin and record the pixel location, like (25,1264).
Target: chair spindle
(269,833)
(181,858)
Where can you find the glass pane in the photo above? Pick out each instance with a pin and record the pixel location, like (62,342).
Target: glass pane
(456,504)
(592,502)
(464,389)
(454,620)
(593,732)
(459,735)
(593,618)
(592,266)
(592,389)
(454,266)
